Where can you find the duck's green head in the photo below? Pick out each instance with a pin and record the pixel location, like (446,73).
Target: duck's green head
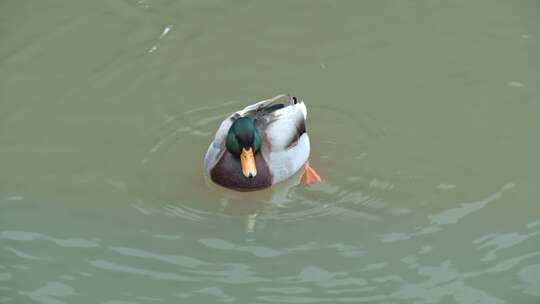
(243,141)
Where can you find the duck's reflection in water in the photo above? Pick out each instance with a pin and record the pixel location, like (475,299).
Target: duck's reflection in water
(248,205)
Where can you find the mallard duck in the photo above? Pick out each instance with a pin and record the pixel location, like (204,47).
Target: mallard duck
(261,145)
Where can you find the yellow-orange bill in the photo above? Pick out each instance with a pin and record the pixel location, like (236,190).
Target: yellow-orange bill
(247,159)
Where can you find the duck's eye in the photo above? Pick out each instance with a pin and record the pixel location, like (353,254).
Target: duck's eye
(295,100)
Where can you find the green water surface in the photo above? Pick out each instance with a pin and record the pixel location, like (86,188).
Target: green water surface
(423,118)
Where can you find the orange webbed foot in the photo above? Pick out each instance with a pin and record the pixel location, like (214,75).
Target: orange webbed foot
(310,176)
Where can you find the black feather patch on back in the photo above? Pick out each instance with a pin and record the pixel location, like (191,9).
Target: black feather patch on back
(263,114)
(265,110)
(273,107)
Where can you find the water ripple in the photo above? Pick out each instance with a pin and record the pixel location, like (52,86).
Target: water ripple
(183,261)
(258,251)
(446,217)
(31,236)
(212,291)
(530,275)
(23,255)
(106,265)
(500,242)
(50,293)
(452,216)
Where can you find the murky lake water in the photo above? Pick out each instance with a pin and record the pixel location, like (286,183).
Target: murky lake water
(423,117)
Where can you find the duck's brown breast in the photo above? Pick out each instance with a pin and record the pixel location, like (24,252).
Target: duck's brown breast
(228,173)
